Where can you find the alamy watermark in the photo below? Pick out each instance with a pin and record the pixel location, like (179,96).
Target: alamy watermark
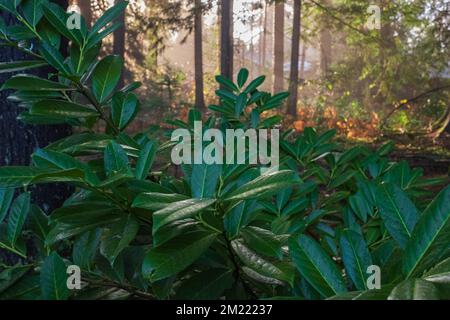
(237,147)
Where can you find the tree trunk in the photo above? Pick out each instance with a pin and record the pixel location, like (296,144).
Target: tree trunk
(199,96)
(325,44)
(119,42)
(85,9)
(18,140)
(293,78)
(278,57)
(264,38)
(226,36)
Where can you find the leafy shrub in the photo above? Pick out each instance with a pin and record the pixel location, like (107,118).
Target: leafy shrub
(310,230)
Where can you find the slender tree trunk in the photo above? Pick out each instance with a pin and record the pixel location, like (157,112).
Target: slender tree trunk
(325,44)
(278,60)
(119,42)
(199,96)
(264,37)
(226,36)
(293,77)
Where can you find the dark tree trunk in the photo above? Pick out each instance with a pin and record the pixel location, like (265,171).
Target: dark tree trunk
(199,96)
(226,39)
(119,42)
(278,48)
(18,140)
(86,12)
(293,78)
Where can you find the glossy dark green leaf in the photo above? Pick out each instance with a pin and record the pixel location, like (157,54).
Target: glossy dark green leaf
(27,82)
(15,66)
(179,210)
(54,57)
(54,278)
(108,16)
(415,289)
(156,200)
(204,180)
(242,77)
(356,257)
(146,159)
(106,76)
(397,211)
(62,108)
(264,185)
(116,159)
(118,237)
(262,265)
(262,241)
(124,109)
(85,248)
(176,254)
(17,216)
(316,266)
(32,11)
(429,241)
(6,197)
(39,222)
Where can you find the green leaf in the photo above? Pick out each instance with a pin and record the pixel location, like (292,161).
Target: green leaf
(32,11)
(15,66)
(10,5)
(155,200)
(356,257)
(17,216)
(397,211)
(179,210)
(415,289)
(206,285)
(240,105)
(106,76)
(62,108)
(118,237)
(85,247)
(176,254)
(262,265)
(54,57)
(6,197)
(440,273)
(429,241)
(316,266)
(32,83)
(255,84)
(145,159)
(204,180)
(54,278)
(264,185)
(262,241)
(108,16)
(226,83)
(242,77)
(116,159)
(58,19)
(15,177)
(39,222)
(124,109)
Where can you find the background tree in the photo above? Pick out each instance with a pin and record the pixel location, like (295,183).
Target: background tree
(198,34)
(278,47)
(226,38)
(293,78)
